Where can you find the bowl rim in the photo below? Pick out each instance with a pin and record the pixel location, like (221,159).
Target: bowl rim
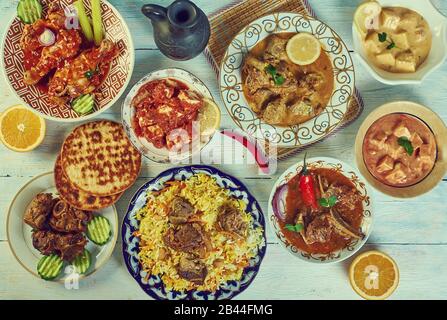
(435,124)
(348,100)
(370,207)
(20,101)
(137,86)
(358,47)
(16,256)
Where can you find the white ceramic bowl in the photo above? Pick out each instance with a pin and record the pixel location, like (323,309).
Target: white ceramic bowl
(19,233)
(162,155)
(362,186)
(438,53)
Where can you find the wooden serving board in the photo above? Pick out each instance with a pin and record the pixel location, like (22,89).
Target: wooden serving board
(229,20)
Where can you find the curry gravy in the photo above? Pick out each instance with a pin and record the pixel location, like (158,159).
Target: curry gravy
(388,161)
(408,40)
(322,65)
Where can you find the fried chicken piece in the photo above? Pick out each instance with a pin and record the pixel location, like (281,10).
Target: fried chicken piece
(83,74)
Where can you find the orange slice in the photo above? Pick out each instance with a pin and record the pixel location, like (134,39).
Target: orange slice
(21,129)
(374,275)
(303,49)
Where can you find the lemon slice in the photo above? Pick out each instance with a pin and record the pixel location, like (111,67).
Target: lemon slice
(303,49)
(21,129)
(374,275)
(209,117)
(366,16)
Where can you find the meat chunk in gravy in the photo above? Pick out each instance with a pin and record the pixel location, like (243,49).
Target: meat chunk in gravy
(65,218)
(192,269)
(319,230)
(229,219)
(189,238)
(38,211)
(180,211)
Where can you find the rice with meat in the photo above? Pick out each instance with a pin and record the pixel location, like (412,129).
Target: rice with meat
(228,255)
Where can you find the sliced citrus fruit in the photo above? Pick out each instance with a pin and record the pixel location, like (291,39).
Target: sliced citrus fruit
(21,129)
(209,117)
(374,275)
(366,17)
(303,49)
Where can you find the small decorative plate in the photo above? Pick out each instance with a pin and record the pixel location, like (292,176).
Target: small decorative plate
(436,125)
(230,80)
(162,155)
(112,88)
(354,176)
(153,285)
(19,233)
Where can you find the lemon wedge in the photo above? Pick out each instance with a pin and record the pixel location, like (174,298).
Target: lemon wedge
(366,17)
(303,49)
(209,117)
(21,129)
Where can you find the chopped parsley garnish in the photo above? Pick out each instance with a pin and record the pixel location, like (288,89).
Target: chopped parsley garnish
(383,37)
(328,202)
(294,227)
(406,144)
(277,78)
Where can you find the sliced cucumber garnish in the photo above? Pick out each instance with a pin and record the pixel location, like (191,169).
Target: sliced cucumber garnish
(29,11)
(49,267)
(82,262)
(83,104)
(98,230)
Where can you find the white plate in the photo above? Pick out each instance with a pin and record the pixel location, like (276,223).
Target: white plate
(19,233)
(361,185)
(438,53)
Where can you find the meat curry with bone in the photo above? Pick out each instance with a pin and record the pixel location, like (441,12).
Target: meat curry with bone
(319,210)
(283,92)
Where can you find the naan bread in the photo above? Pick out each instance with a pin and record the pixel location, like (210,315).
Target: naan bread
(98,158)
(77,198)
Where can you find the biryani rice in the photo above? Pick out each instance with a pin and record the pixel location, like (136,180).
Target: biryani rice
(229,256)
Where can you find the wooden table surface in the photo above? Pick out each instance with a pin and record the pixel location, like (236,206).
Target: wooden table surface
(413,232)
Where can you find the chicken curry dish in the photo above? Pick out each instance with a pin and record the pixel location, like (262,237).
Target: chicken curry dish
(319,211)
(401,42)
(399,150)
(281,92)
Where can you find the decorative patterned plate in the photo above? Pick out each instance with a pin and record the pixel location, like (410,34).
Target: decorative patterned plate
(230,80)
(146,148)
(361,186)
(113,87)
(153,285)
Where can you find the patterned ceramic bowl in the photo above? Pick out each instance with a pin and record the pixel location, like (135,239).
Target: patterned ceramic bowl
(231,80)
(366,226)
(163,155)
(153,285)
(112,88)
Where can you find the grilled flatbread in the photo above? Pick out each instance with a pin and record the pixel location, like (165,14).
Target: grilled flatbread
(98,158)
(77,198)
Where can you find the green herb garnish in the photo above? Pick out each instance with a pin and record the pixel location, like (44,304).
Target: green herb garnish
(294,227)
(383,37)
(89,74)
(406,144)
(277,78)
(327,202)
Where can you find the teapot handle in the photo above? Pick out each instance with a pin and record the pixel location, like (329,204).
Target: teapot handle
(154,12)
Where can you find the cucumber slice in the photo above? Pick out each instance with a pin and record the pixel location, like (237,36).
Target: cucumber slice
(82,262)
(98,230)
(29,11)
(83,104)
(49,267)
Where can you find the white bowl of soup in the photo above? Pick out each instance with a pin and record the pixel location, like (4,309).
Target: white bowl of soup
(401,149)
(324,214)
(405,42)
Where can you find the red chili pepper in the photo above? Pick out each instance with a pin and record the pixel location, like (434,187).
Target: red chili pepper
(307,187)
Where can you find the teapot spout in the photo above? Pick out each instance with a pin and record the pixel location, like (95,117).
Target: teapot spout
(154,12)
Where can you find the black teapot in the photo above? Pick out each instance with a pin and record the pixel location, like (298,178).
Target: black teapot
(181,31)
